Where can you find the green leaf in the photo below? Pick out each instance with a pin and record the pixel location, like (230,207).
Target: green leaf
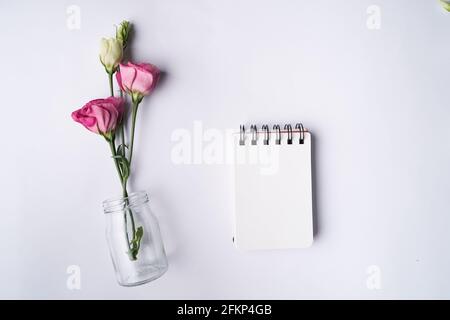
(121,149)
(124,167)
(132,254)
(139,233)
(136,243)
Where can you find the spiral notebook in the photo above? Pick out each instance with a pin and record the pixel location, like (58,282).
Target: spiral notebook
(273,188)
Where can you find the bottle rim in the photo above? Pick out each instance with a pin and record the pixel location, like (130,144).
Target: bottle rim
(120,203)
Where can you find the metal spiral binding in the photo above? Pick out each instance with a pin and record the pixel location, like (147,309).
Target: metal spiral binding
(254,131)
(276,129)
(266,134)
(300,128)
(289,130)
(278,136)
(242,135)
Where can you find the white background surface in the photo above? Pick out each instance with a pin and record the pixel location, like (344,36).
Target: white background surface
(375,100)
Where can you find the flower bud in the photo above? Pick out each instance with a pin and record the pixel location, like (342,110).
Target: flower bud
(445,4)
(122,32)
(110,54)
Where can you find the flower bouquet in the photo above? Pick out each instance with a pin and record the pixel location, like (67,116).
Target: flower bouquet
(133,234)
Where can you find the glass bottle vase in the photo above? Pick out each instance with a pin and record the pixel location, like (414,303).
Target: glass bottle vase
(134,240)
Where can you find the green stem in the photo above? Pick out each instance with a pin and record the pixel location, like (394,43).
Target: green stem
(133,249)
(111,86)
(122,138)
(116,162)
(133,126)
(122,131)
(125,195)
(133,225)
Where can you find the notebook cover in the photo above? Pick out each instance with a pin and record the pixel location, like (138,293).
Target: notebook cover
(273,195)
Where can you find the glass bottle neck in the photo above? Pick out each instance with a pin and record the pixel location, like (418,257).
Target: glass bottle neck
(121,203)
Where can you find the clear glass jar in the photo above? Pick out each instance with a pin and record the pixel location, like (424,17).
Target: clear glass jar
(134,240)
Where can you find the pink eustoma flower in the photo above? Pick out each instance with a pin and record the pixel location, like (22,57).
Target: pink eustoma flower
(100,116)
(138,80)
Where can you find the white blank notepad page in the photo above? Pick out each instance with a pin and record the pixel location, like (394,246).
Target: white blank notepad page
(273,196)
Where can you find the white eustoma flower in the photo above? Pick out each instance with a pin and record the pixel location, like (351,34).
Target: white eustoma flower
(110,54)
